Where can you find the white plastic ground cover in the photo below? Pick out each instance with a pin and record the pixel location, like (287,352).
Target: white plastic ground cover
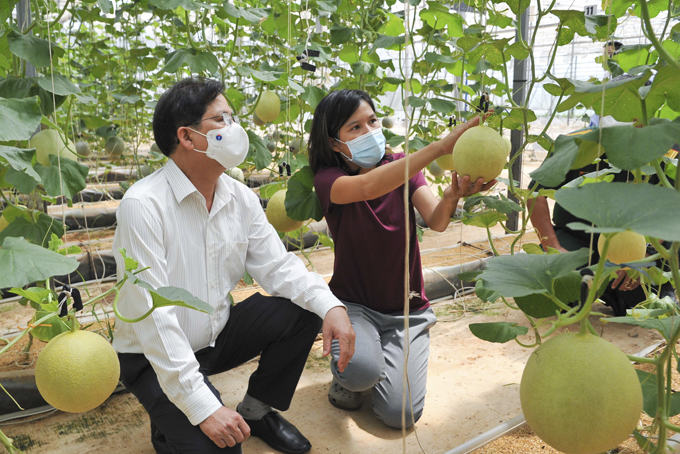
(519,421)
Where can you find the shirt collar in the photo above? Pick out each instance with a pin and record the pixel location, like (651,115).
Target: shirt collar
(182,186)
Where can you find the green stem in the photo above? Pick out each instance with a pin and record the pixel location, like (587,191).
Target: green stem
(493,247)
(125,319)
(641,360)
(652,37)
(26,331)
(7,443)
(256,101)
(190,42)
(660,173)
(52,24)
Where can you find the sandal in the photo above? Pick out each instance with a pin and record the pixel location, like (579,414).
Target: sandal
(343,398)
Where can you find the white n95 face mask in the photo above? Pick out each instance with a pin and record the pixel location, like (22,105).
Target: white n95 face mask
(228,145)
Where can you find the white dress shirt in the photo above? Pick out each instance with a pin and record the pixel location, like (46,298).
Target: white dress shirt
(164,224)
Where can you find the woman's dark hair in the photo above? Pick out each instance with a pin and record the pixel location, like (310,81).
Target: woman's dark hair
(183,104)
(332,112)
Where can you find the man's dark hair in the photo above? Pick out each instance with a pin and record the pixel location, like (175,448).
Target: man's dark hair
(332,112)
(183,104)
(615,44)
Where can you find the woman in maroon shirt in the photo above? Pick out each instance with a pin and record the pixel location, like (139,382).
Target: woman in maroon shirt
(362,195)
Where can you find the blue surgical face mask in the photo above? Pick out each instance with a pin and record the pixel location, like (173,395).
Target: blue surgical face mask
(367,150)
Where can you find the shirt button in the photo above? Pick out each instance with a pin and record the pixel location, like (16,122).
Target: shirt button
(213,285)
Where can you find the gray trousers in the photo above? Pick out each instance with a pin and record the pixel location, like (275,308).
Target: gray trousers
(378,361)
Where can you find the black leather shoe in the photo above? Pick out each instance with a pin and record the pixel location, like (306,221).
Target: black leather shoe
(278,433)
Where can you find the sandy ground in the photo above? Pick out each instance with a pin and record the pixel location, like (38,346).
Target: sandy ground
(472,386)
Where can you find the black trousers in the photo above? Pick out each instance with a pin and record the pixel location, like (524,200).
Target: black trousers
(275,328)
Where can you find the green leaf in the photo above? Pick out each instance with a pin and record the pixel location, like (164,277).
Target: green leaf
(484,220)
(484,294)
(236,98)
(268,190)
(340,34)
(498,332)
(20,160)
(301,200)
(35,294)
(518,51)
(621,97)
(19,118)
(592,25)
(171,296)
(252,15)
(36,227)
(438,16)
(665,88)
(63,177)
(34,50)
(566,289)
(105,6)
(417,143)
(313,95)
(394,26)
(388,42)
(650,392)
(442,106)
(198,61)
(516,6)
(188,5)
(130,263)
(50,328)
(523,274)
(501,203)
(553,170)
(667,327)
(258,149)
(22,263)
(614,207)
(262,76)
(62,85)
(630,148)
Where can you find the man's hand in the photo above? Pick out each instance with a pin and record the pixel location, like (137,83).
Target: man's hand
(336,325)
(626,282)
(225,427)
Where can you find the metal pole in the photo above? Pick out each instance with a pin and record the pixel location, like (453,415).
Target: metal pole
(519,95)
(23,21)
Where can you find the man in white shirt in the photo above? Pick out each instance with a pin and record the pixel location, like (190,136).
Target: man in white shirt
(197,229)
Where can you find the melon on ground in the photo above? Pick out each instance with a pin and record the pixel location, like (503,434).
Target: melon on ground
(77,371)
(580,394)
(277,215)
(49,142)
(480,152)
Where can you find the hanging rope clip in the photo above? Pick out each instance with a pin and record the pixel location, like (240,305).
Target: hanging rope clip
(303,58)
(452,122)
(484,102)
(62,300)
(284,166)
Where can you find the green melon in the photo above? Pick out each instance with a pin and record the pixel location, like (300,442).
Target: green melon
(277,215)
(445,162)
(388,122)
(49,142)
(480,152)
(298,145)
(435,170)
(269,106)
(115,146)
(83,148)
(624,247)
(580,394)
